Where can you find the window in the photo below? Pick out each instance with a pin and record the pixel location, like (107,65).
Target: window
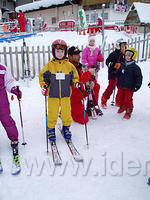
(53,20)
(105,15)
(87,18)
(4,3)
(94,17)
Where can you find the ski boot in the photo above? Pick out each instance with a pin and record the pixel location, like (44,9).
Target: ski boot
(51,135)
(16,163)
(128,113)
(103,103)
(98,111)
(66,133)
(121,109)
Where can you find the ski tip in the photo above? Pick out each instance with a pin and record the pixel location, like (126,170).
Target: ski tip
(16,172)
(79,159)
(24,143)
(58,163)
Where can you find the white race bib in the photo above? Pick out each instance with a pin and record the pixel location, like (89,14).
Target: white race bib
(60,76)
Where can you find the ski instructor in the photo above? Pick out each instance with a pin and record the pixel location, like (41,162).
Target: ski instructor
(77,95)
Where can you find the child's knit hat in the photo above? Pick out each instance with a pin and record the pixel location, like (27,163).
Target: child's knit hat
(91,37)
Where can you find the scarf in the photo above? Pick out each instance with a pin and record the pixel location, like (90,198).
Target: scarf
(92,48)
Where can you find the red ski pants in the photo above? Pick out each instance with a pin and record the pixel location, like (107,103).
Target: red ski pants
(126,97)
(113,82)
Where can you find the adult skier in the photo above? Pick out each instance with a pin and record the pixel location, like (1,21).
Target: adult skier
(77,95)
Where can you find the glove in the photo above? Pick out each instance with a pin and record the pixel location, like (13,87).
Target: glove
(79,85)
(148,85)
(15,90)
(44,90)
(92,84)
(136,89)
(95,67)
(100,58)
(117,65)
(92,70)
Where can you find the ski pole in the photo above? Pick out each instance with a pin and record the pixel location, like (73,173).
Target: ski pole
(101,113)
(46,122)
(87,142)
(113,100)
(24,143)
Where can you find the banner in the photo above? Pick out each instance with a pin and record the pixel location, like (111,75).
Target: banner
(120,5)
(82,18)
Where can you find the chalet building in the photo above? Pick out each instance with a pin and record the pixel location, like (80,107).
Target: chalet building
(137,17)
(51,12)
(7,8)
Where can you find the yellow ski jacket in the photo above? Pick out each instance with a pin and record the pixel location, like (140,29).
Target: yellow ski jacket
(58,87)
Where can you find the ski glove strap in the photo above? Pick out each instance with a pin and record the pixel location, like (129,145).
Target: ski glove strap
(79,85)
(44,90)
(16,91)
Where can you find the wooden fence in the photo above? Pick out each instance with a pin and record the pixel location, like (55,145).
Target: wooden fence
(29,62)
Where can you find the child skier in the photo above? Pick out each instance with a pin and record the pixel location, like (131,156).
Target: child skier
(130,81)
(77,95)
(56,79)
(113,62)
(91,55)
(7,83)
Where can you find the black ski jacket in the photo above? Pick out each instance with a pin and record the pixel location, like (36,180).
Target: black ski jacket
(130,76)
(115,57)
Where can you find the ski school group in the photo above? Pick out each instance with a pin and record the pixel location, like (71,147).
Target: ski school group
(65,83)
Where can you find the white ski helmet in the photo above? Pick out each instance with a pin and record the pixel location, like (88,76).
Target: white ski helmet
(119,42)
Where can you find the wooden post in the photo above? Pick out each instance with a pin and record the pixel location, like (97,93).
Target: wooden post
(28,61)
(138,51)
(5,56)
(49,53)
(146,53)
(38,51)
(108,49)
(22,61)
(43,50)
(131,42)
(128,43)
(149,51)
(11,61)
(33,62)
(17,63)
(135,42)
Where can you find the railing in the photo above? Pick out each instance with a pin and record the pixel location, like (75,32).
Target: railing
(34,58)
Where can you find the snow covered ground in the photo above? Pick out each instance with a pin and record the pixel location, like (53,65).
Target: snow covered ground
(116,163)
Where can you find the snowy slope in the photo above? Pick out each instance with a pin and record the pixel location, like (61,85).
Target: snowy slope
(114,164)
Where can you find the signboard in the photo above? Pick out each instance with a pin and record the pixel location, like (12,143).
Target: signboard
(82,18)
(120,5)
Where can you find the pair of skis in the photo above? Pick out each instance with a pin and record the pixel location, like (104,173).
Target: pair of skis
(55,153)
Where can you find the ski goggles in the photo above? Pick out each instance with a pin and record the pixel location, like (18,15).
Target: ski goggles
(60,46)
(129,53)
